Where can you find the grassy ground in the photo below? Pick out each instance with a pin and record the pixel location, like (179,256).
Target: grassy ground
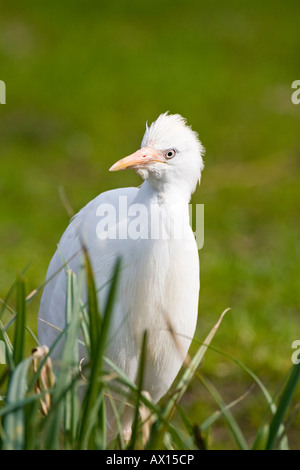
(83,78)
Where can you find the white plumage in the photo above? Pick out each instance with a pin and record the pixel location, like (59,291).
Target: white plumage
(159,279)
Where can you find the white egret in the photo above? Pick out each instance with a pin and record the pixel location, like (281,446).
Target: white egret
(148,228)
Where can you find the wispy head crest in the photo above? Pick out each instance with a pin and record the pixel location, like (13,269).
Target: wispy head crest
(167,130)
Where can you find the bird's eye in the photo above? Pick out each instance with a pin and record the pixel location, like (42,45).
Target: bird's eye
(170,153)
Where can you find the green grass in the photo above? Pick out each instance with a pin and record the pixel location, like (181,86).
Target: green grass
(41,406)
(81,82)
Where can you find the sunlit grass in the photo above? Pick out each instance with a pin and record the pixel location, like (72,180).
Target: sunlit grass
(40,406)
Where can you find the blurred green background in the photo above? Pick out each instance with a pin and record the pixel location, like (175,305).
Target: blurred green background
(82,79)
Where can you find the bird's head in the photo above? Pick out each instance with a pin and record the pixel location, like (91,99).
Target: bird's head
(170,154)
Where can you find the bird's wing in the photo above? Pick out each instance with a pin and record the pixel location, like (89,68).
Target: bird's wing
(83,229)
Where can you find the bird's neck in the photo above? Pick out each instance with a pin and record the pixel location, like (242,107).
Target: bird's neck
(163,193)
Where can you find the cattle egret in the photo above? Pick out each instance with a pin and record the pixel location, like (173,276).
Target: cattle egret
(148,229)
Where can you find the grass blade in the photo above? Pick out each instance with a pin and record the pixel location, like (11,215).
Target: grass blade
(93,310)
(94,391)
(141,372)
(193,366)
(156,438)
(9,351)
(69,364)
(14,422)
(19,339)
(230,420)
(283,406)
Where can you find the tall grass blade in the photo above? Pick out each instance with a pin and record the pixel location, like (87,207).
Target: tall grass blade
(141,372)
(19,339)
(67,369)
(156,438)
(9,350)
(195,362)
(14,422)
(230,420)
(94,396)
(93,310)
(13,406)
(217,414)
(283,406)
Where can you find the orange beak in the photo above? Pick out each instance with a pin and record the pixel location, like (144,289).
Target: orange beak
(140,158)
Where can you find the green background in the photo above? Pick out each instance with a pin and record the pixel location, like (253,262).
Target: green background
(82,79)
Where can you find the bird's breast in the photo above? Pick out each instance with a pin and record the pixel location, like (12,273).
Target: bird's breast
(160,289)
